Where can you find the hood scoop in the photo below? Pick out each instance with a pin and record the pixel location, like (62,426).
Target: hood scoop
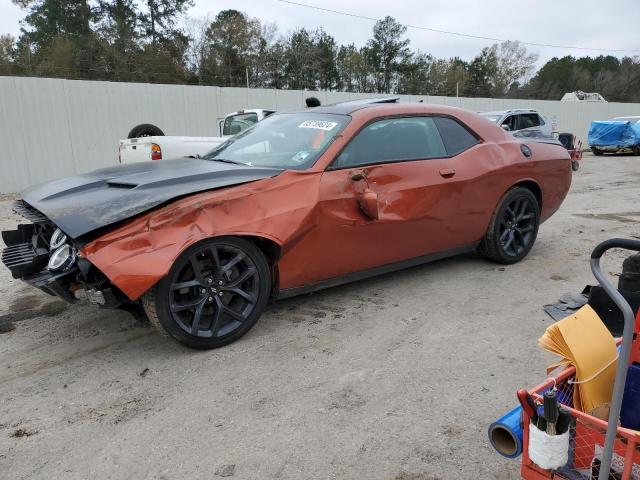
(91,201)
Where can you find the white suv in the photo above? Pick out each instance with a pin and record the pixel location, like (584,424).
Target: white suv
(517,120)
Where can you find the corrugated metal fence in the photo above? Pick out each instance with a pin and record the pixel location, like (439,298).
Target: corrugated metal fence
(50,128)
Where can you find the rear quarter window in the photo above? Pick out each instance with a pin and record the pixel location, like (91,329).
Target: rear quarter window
(456,137)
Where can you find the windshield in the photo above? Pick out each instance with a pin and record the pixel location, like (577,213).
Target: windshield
(287,140)
(494,118)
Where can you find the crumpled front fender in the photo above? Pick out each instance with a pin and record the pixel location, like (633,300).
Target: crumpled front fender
(136,255)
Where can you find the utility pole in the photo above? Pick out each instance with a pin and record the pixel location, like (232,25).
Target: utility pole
(246,71)
(457,84)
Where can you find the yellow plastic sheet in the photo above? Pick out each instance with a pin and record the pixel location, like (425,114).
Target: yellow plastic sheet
(582,340)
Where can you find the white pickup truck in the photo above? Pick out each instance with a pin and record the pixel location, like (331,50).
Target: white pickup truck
(147,142)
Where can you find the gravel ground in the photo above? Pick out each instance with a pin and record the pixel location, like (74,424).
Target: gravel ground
(396,377)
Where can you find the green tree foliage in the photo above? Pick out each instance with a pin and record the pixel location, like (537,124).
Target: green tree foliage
(481,70)
(165,45)
(118,27)
(57,39)
(232,43)
(325,49)
(353,68)
(617,80)
(102,39)
(7,49)
(301,61)
(387,51)
(152,41)
(270,69)
(158,21)
(414,74)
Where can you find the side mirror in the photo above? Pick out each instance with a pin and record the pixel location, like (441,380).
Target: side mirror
(505,127)
(368,201)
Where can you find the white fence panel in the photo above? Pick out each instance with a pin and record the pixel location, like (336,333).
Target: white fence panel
(14,163)
(52,127)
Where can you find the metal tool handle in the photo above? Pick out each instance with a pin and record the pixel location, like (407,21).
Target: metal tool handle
(625,350)
(551,411)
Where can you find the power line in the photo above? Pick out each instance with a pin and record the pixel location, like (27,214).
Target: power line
(458,34)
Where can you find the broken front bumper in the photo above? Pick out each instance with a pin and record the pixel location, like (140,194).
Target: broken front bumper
(27,255)
(23,261)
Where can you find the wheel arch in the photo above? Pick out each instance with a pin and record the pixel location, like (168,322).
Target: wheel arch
(530,185)
(272,251)
(136,270)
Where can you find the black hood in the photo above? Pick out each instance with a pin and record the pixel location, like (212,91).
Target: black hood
(83,203)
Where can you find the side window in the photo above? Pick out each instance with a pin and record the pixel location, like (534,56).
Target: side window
(528,120)
(511,122)
(238,123)
(392,140)
(456,138)
(541,120)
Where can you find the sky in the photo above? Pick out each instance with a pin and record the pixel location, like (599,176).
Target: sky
(586,23)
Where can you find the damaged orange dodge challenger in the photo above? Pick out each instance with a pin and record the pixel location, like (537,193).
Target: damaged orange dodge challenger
(300,201)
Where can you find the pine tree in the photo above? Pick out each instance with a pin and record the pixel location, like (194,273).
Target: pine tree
(57,39)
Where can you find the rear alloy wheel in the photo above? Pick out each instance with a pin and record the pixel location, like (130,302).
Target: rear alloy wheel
(514,227)
(214,293)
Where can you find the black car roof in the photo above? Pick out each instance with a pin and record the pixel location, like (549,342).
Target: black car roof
(346,108)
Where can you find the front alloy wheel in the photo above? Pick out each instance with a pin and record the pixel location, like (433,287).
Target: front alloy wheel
(213,294)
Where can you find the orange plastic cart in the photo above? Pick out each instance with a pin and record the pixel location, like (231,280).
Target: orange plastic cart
(596,445)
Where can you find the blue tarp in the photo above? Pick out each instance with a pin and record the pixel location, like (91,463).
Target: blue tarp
(614,133)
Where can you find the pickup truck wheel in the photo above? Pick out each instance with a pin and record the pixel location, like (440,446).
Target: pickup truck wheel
(636,150)
(145,130)
(214,293)
(596,151)
(513,228)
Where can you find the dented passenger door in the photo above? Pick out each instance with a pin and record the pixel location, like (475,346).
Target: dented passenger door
(392,194)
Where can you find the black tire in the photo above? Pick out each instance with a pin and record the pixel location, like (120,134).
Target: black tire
(228,293)
(596,151)
(636,150)
(145,130)
(513,228)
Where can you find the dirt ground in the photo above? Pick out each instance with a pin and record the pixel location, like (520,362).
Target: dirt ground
(392,378)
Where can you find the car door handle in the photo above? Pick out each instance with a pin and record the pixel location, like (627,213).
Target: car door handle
(447,172)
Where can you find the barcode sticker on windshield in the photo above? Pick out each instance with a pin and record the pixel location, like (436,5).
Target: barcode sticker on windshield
(318,125)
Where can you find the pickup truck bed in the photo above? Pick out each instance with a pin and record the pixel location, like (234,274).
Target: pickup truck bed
(140,149)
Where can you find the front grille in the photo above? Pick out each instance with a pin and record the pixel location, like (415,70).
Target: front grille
(27,211)
(22,260)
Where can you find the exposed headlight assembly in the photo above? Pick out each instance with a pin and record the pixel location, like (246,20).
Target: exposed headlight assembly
(57,239)
(62,258)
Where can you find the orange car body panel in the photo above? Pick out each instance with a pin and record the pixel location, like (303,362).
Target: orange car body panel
(314,216)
